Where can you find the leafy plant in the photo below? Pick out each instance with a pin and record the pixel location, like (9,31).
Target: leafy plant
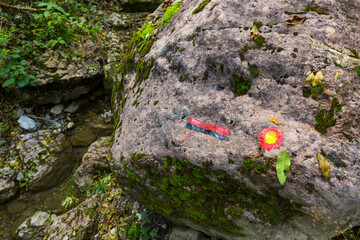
(69,201)
(282,164)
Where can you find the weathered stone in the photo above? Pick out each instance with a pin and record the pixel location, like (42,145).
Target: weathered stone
(46,159)
(27,123)
(82,138)
(30,226)
(102,129)
(93,161)
(57,109)
(84,215)
(206,66)
(179,233)
(8,188)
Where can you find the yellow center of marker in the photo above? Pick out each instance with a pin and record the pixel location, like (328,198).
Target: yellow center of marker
(270,137)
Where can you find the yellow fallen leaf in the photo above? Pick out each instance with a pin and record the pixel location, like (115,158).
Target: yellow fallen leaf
(44,142)
(336,75)
(254,32)
(324,166)
(309,79)
(273,120)
(318,78)
(296,20)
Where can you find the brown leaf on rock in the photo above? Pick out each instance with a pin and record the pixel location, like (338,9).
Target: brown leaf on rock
(324,166)
(296,20)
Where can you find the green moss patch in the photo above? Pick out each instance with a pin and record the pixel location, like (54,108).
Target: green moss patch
(201,7)
(240,85)
(206,197)
(324,120)
(315,9)
(253,70)
(170,12)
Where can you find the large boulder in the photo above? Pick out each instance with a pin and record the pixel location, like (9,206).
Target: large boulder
(203,62)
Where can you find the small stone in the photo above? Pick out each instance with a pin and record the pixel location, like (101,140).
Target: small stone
(72,108)
(27,123)
(57,109)
(113,231)
(47,117)
(20,112)
(70,125)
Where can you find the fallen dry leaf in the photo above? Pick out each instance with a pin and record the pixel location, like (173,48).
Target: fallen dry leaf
(254,32)
(309,79)
(318,78)
(336,75)
(273,120)
(296,20)
(324,166)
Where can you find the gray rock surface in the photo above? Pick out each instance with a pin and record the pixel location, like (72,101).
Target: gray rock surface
(45,159)
(8,188)
(84,215)
(30,226)
(179,233)
(27,123)
(57,109)
(93,161)
(202,64)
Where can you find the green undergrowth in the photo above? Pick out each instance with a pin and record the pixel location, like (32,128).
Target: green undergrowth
(26,35)
(170,12)
(206,197)
(201,7)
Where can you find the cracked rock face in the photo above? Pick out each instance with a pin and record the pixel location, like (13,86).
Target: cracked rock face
(206,66)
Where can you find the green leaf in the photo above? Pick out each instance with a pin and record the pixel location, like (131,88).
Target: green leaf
(23,62)
(282,164)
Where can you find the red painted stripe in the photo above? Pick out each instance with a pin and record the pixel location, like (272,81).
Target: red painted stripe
(215,128)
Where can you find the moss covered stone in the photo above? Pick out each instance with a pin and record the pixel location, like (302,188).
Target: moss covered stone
(204,196)
(201,6)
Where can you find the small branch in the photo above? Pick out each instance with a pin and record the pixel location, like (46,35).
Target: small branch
(17,8)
